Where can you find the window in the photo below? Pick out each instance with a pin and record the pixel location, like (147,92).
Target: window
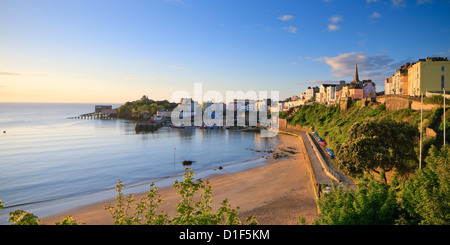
(442,81)
(442,68)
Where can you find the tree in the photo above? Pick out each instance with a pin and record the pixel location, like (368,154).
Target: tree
(378,144)
(136,109)
(425,196)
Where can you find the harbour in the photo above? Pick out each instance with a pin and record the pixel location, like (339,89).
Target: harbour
(47,158)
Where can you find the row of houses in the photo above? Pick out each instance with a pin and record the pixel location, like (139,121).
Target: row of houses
(330,94)
(425,75)
(236,105)
(211,108)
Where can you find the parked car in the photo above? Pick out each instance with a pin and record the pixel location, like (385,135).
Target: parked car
(330,152)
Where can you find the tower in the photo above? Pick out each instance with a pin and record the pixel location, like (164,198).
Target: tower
(356,78)
(356,83)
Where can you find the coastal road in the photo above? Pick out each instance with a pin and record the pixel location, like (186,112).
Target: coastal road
(344,179)
(319,171)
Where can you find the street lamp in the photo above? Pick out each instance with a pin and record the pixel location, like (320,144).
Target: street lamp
(421,128)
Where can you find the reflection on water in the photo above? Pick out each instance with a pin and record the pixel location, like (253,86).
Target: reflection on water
(45,156)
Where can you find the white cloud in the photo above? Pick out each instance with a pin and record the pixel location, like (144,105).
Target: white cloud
(291,29)
(336,18)
(376,67)
(332,27)
(286,17)
(375,15)
(372,1)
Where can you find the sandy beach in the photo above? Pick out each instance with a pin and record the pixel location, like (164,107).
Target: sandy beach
(276,193)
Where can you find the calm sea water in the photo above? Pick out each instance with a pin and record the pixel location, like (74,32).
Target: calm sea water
(49,163)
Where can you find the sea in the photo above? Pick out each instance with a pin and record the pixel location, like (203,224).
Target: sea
(50,163)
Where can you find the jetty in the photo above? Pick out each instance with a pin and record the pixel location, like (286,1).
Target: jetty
(100,112)
(94,115)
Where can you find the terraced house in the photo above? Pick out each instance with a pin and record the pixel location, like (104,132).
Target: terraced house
(425,75)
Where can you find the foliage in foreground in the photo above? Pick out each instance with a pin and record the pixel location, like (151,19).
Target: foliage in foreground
(426,196)
(193,209)
(422,199)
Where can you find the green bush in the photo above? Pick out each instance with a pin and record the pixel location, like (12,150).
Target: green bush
(372,203)
(189,212)
(435,99)
(421,199)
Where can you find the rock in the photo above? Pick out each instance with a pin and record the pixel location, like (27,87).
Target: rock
(279,155)
(187,163)
(289,151)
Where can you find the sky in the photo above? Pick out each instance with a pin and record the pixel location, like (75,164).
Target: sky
(113,51)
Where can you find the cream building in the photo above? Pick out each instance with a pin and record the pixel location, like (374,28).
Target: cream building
(428,75)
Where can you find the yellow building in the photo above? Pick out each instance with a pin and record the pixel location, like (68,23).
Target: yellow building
(428,75)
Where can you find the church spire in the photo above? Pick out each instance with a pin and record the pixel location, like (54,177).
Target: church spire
(356,79)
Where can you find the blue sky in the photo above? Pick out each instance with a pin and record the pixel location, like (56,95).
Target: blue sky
(116,51)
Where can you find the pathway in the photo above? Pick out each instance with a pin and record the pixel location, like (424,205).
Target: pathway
(319,171)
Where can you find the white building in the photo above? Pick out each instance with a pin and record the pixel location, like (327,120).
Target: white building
(164,113)
(311,92)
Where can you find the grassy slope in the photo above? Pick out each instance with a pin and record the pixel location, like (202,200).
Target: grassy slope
(332,123)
